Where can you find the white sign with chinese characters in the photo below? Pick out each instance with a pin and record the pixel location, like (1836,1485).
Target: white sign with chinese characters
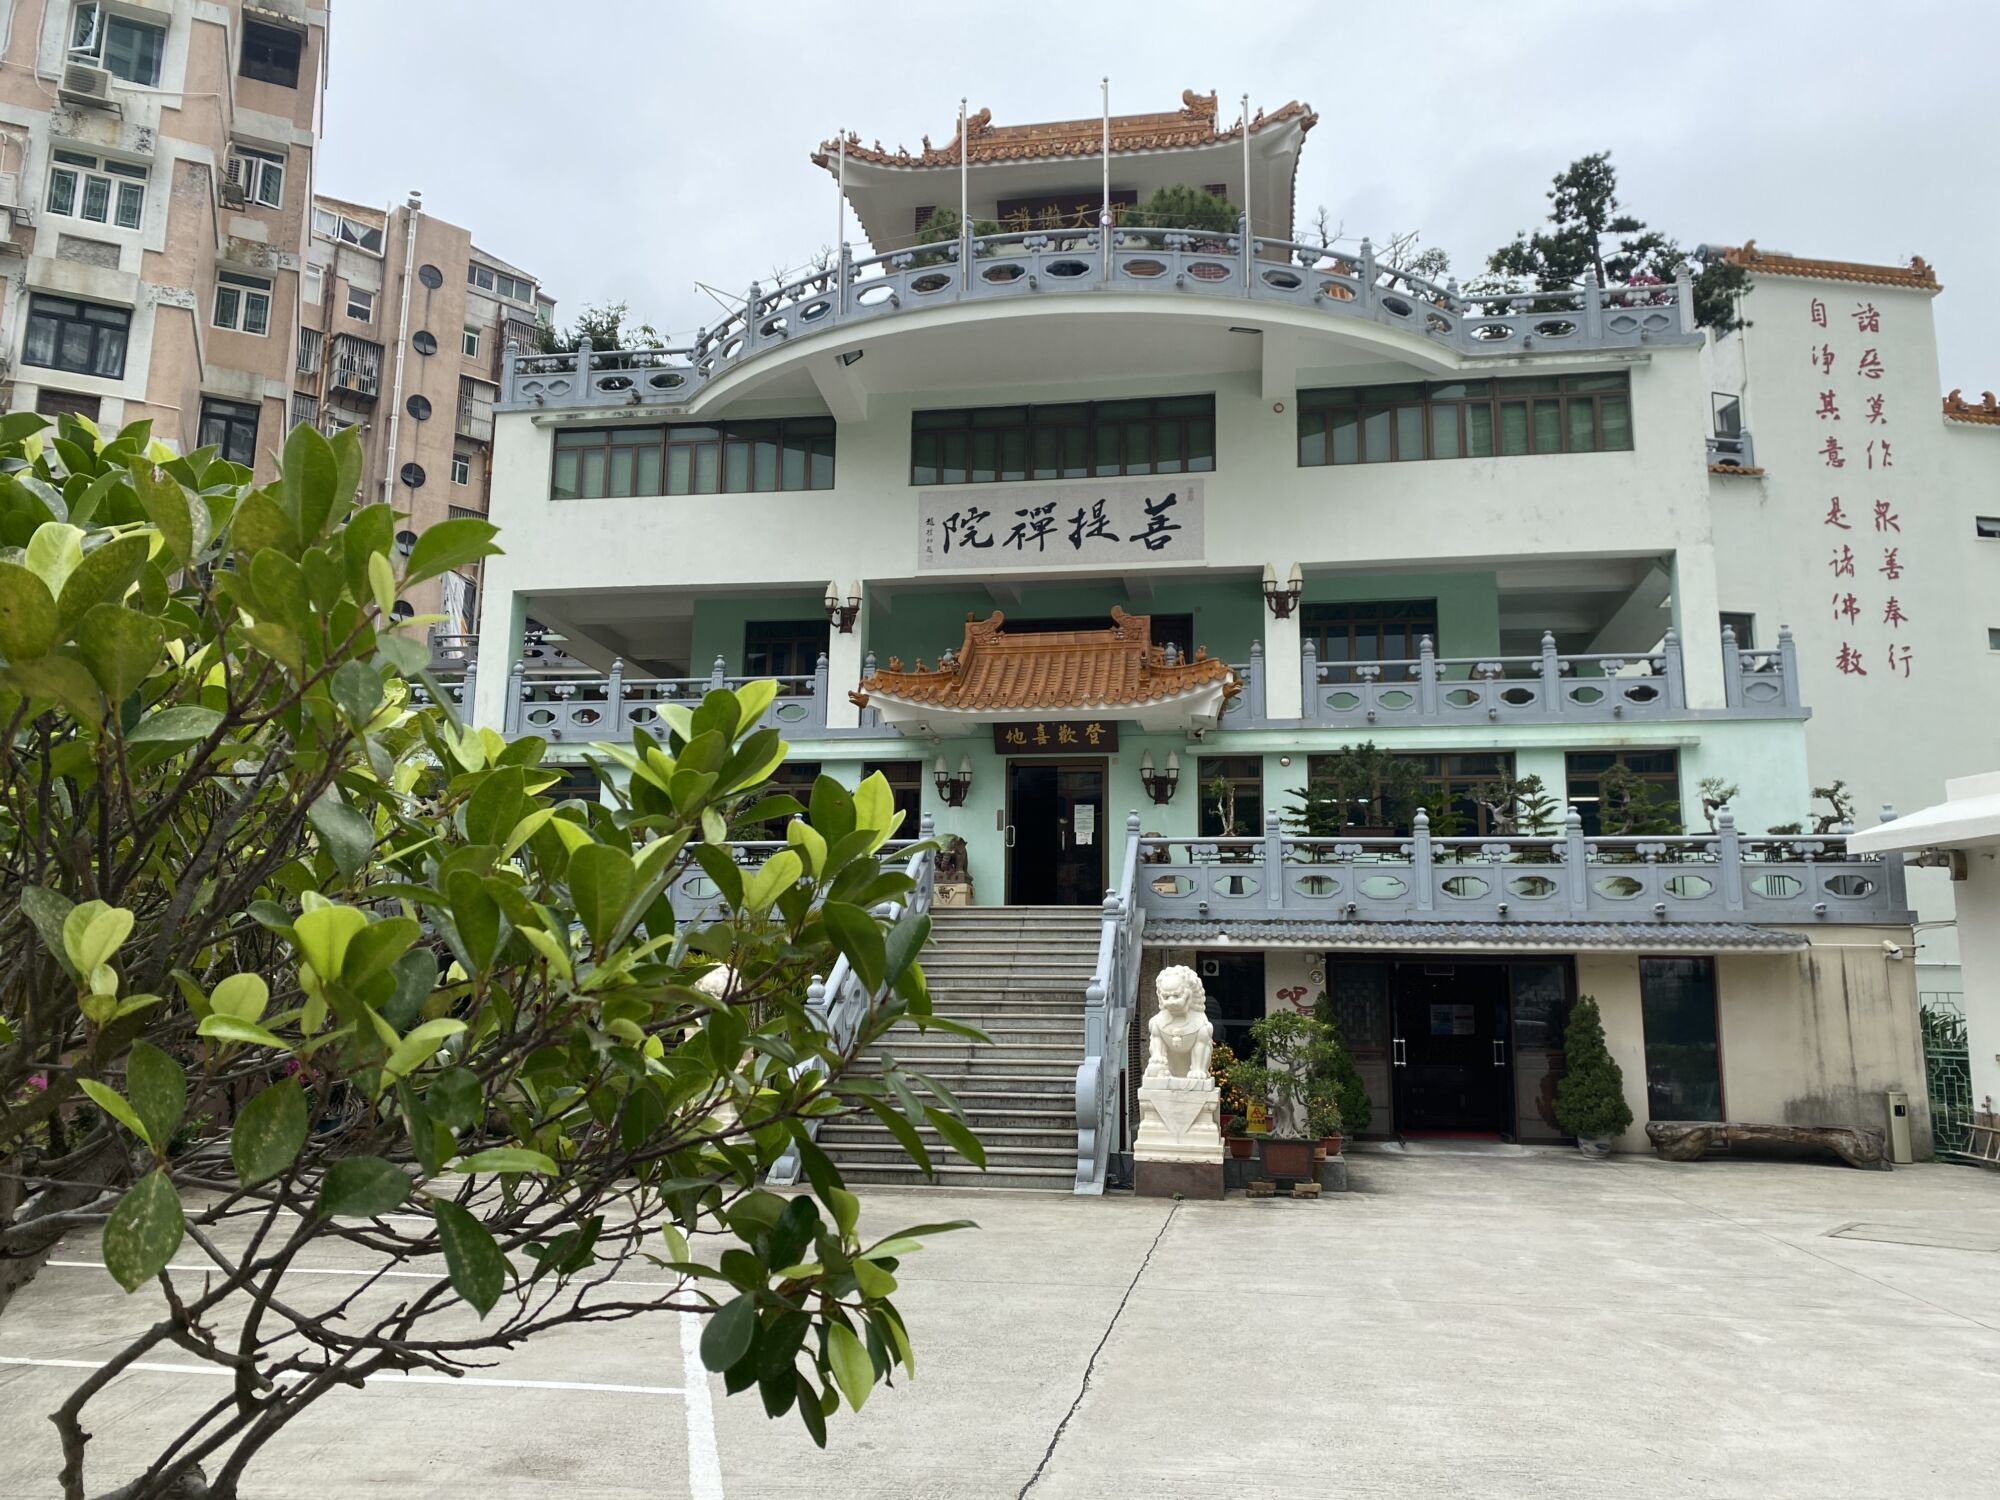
(1107,523)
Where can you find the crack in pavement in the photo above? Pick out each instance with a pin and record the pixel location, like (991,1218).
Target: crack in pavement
(1090,1366)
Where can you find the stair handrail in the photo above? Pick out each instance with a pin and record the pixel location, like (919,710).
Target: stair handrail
(839,1003)
(1108,1003)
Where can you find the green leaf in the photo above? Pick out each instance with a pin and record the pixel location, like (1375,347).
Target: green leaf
(60,679)
(954,1130)
(144,1231)
(182,518)
(280,585)
(875,804)
(727,1337)
(474,1263)
(158,1088)
(444,545)
(27,614)
(323,935)
(905,1134)
(310,478)
(175,726)
(242,996)
(119,646)
(481,927)
(102,577)
(260,525)
(92,932)
(377,946)
(113,1104)
(347,835)
(495,805)
(269,1133)
(852,1367)
(505,1159)
(846,1208)
(229,1029)
(357,693)
(362,1187)
(421,1045)
(872,1279)
(856,934)
(600,884)
(53,553)
(779,874)
(382,583)
(47,909)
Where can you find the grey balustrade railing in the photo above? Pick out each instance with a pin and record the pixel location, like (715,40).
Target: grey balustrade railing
(1570,877)
(568,709)
(840,1003)
(1760,681)
(1031,264)
(1109,1001)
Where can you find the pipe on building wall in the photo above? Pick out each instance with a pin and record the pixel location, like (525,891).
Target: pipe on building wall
(416,207)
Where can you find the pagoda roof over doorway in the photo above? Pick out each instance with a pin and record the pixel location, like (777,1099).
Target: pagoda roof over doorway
(997,677)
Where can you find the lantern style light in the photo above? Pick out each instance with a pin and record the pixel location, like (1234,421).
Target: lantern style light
(953,786)
(1160,785)
(1282,600)
(841,614)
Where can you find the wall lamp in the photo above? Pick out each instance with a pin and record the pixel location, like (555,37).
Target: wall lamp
(1160,785)
(842,615)
(1282,600)
(953,786)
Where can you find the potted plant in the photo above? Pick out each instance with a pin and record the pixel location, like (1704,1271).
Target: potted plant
(1590,1099)
(1323,1121)
(1289,1076)
(1238,1131)
(1221,1058)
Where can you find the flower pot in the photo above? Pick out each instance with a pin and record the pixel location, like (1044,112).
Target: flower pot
(1329,1145)
(1239,1147)
(1596,1147)
(1290,1159)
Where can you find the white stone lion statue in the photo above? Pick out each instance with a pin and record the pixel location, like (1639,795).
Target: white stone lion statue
(1181,1037)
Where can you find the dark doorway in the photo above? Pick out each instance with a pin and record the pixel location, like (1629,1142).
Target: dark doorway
(1234,983)
(1451,1054)
(1055,833)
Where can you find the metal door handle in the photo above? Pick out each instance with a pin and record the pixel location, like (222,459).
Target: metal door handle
(1010,835)
(1397,1057)
(1499,1053)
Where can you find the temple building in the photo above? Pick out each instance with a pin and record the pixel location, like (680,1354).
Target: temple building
(1259,606)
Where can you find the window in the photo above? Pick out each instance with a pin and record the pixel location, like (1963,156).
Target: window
(259,175)
(1077,440)
(513,288)
(1992,639)
(1465,419)
(783,648)
(232,427)
(312,285)
(329,225)
(730,458)
(360,304)
(1231,788)
(1452,788)
(54,403)
(1658,770)
(82,337)
(906,787)
(242,302)
(271,54)
(98,189)
(461,468)
(468,343)
(1374,630)
(1728,412)
(1683,1052)
(1986,528)
(1745,627)
(125,48)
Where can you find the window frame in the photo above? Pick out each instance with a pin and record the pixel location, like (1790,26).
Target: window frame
(368,299)
(91,41)
(1589,808)
(1986,528)
(461,468)
(685,459)
(1320,622)
(122,182)
(43,306)
(233,416)
(778,642)
(469,341)
(242,292)
(1244,773)
(263,71)
(1341,426)
(906,789)
(260,167)
(1704,963)
(1064,440)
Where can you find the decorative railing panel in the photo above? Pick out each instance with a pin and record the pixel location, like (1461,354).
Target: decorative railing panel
(1716,877)
(1109,1001)
(568,709)
(1051,262)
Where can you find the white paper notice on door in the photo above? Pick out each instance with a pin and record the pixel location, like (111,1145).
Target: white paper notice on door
(1083,821)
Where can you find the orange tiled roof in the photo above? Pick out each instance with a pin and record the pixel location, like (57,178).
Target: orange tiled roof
(1749,472)
(1917,275)
(1053,669)
(1193,124)
(1958,409)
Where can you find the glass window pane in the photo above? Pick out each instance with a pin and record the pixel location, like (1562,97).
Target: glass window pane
(647,480)
(765,464)
(619,473)
(735,467)
(226,300)
(985,456)
(1615,412)
(256,313)
(1409,433)
(1582,415)
(590,474)
(924,459)
(1479,431)
(1201,446)
(1444,431)
(110,353)
(707,468)
(1048,452)
(563,485)
(62,192)
(1138,448)
(1513,427)
(1548,427)
(75,347)
(1375,437)
(797,451)
(41,345)
(131,204)
(97,199)
(822,463)
(1347,436)
(1107,454)
(1312,439)
(1014,454)
(680,468)
(1683,1071)
(951,458)
(1076,448)
(1167,448)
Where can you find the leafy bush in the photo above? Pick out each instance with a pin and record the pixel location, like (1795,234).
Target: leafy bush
(1356,1109)
(1590,1098)
(1179,206)
(288,957)
(1292,1072)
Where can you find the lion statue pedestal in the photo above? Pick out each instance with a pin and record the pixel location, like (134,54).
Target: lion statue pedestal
(1179,1147)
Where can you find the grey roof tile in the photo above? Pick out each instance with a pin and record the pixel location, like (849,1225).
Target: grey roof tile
(1699,937)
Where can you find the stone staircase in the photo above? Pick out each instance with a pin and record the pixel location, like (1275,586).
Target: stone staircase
(1017,973)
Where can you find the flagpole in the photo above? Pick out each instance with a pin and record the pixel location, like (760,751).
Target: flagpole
(1104,209)
(840,180)
(1247,253)
(964,195)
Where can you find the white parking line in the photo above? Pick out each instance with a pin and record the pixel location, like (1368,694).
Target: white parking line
(381,1377)
(704,1461)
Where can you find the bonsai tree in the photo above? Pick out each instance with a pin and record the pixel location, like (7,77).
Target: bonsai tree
(1356,1109)
(1520,807)
(1178,206)
(1293,1061)
(1590,1098)
(942,228)
(1323,1116)
(1840,802)
(1362,787)
(1634,806)
(1717,792)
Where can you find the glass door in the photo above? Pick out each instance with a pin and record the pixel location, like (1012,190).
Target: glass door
(1055,833)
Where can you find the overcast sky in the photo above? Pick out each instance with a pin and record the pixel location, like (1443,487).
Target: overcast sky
(623,149)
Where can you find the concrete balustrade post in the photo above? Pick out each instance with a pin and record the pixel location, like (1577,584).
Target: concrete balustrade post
(1670,654)
(1553,701)
(819,693)
(516,692)
(1576,859)
(1729,858)
(1428,678)
(1309,680)
(1732,669)
(718,675)
(1593,307)
(1684,296)
(1788,665)
(614,697)
(1421,861)
(1253,684)
(1274,862)
(468,689)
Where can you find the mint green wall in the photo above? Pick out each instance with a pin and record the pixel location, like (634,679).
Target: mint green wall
(719,622)
(923,623)
(1468,603)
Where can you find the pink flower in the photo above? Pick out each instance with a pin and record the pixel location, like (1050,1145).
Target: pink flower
(38,1080)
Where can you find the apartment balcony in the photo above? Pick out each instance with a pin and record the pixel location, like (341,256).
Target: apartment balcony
(1341,288)
(354,367)
(1515,883)
(475,420)
(579,709)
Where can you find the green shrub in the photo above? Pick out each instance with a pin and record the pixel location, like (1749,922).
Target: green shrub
(1590,1099)
(1356,1109)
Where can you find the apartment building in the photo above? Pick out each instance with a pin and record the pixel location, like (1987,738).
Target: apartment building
(156,167)
(405,325)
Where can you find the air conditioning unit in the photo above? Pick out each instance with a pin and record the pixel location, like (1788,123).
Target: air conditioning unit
(236,184)
(85,84)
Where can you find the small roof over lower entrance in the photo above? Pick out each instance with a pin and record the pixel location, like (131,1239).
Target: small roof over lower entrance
(1000,677)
